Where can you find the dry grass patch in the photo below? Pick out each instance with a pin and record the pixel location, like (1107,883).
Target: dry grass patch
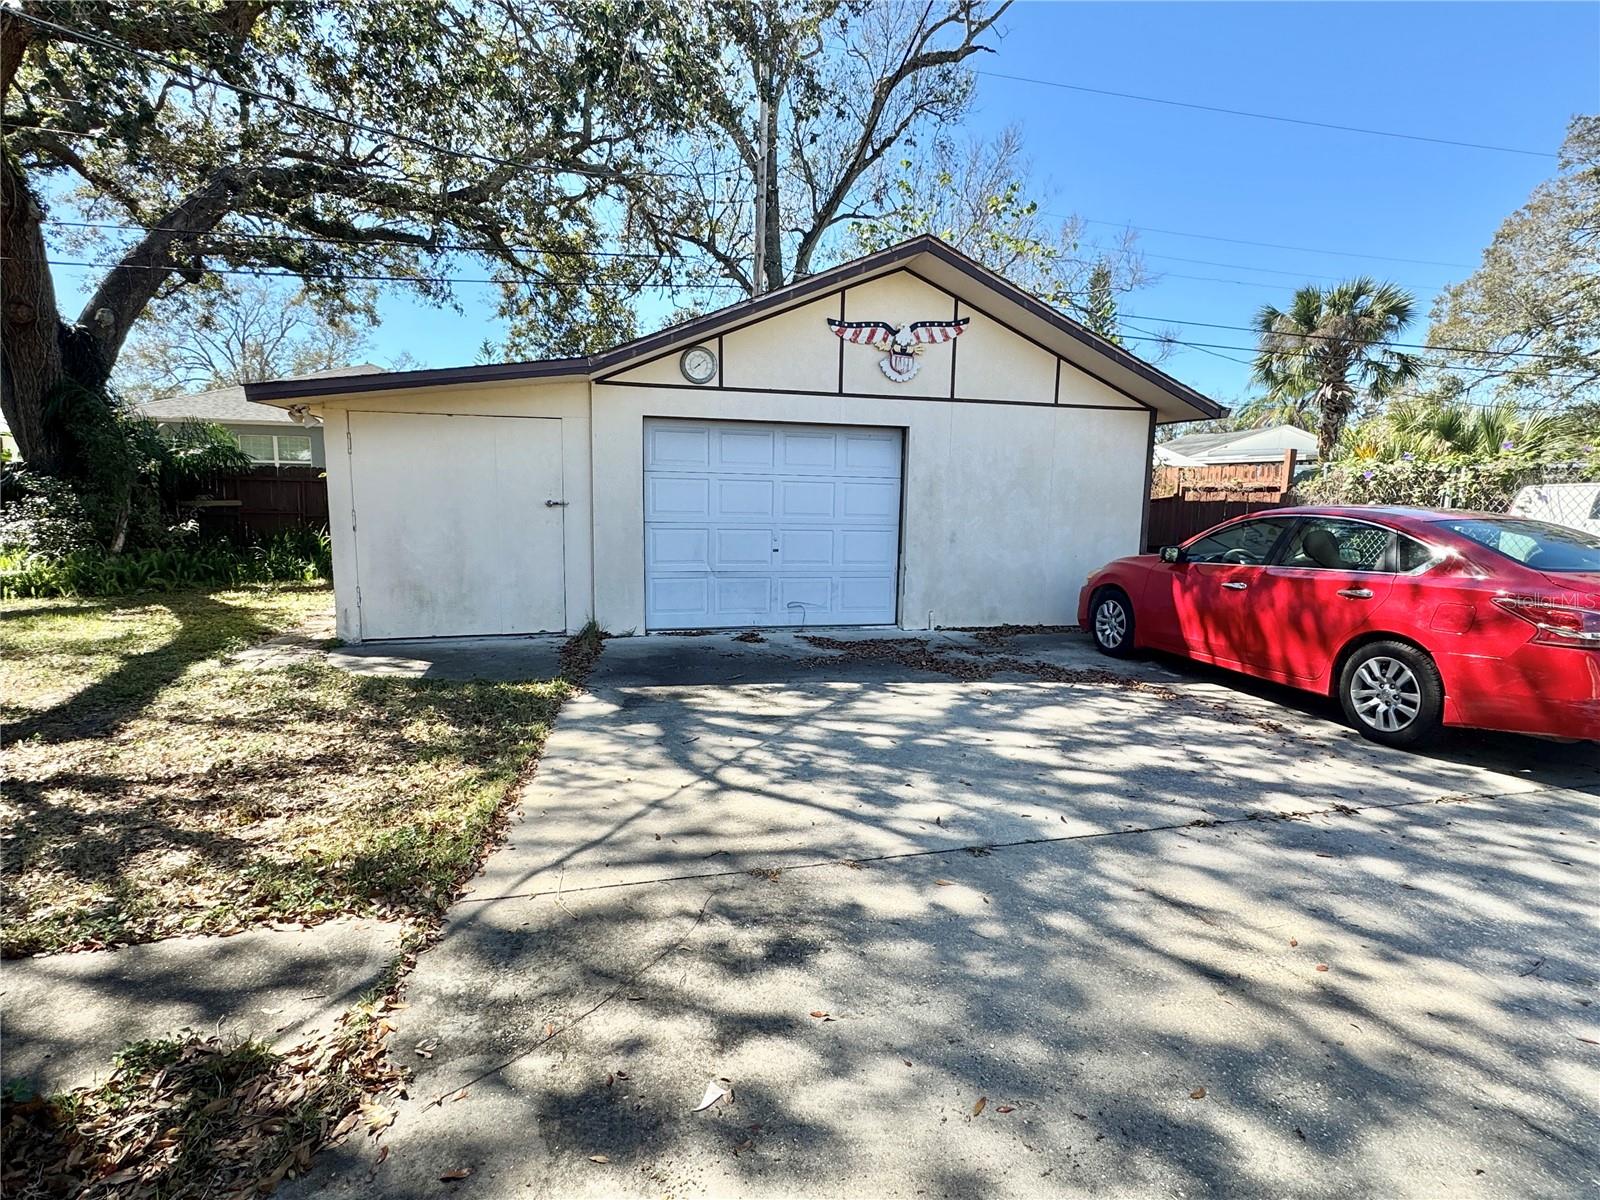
(157,789)
(196,1116)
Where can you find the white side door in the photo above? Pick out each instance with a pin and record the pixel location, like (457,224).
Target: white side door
(453,534)
(751,524)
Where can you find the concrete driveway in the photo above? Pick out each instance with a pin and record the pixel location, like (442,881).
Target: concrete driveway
(1008,926)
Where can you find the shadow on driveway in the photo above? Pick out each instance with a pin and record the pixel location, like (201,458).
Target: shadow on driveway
(1100,910)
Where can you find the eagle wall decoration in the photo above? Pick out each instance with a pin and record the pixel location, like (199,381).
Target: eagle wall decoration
(904,343)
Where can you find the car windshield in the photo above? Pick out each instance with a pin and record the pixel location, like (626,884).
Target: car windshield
(1535,544)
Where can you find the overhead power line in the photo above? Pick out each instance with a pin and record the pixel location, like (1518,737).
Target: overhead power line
(1320,337)
(1445,363)
(682,286)
(567,252)
(1213,237)
(464,247)
(685,285)
(1237,112)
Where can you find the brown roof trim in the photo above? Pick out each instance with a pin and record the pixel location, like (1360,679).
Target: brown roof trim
(278,390)
(1080,333)
(747,310)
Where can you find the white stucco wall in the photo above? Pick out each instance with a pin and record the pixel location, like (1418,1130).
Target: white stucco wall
(1014,490)
(1007,507)
(568,401)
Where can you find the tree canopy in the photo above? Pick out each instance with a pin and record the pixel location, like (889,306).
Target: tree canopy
(1526,324)
(211,338)
(972,193)
(336,141)
(843,84)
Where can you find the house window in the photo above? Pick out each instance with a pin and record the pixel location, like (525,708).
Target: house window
(277,449)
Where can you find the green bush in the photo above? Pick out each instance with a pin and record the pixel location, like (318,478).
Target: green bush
(1454,481)
(297,556)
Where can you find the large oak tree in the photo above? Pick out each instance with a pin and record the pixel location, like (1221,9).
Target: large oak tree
(330,140)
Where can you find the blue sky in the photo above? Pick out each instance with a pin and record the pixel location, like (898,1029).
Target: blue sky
(1506,74)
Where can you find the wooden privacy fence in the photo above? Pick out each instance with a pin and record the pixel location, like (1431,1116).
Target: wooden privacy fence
(263,501)
(1187,500)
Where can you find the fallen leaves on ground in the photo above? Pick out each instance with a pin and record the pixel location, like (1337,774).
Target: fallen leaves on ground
(920,655)
(1198,1094)
(458,1173)
(193,1116)
(1322,966)
(191,793)
(599,1158)
(983,1102)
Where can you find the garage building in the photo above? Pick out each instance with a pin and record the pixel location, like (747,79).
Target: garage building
(906,439)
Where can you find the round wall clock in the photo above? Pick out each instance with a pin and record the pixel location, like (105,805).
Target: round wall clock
(698,364)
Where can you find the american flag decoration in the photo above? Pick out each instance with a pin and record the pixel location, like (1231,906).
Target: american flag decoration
(904,343)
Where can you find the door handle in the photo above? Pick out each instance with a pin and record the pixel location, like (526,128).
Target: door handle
(1235,586)
(1356,593)
(555,503)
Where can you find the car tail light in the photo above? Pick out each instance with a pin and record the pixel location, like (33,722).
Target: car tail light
(1557,624)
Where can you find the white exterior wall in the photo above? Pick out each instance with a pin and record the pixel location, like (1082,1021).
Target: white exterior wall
(1007,507)
(568,401)
(1012,493)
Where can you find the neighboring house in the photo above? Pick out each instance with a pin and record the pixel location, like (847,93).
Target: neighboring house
(270,436)
(906,439)
(1238,446)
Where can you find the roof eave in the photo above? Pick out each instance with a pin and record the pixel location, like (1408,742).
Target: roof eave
(286,393)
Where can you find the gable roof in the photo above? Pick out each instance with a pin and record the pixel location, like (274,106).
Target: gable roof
(230,405)
(927,257)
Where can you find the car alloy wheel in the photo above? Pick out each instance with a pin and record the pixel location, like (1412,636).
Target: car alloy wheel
(1111,624)
(1385,694)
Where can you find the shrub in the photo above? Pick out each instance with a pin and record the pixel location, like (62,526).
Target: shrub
(1454,481)
(298,556)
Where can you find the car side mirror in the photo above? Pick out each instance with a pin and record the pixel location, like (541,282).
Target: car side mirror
(1173,554)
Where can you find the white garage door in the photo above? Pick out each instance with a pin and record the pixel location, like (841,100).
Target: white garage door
(770,524)
(453,535)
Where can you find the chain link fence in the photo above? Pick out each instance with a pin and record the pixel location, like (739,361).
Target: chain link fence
(1561,493)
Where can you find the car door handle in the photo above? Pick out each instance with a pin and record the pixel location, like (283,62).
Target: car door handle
(1235,586)
(1356,593)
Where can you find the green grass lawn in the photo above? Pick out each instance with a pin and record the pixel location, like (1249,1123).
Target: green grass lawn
(154,788)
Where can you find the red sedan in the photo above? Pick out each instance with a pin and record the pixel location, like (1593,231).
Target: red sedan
(1413,618)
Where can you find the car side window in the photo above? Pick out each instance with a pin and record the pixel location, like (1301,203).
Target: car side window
(1248,543)
(1410,555)
(1330,544)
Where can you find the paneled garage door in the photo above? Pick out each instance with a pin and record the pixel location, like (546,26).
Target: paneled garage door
(770,524)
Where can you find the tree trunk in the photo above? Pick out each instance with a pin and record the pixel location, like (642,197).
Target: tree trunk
(30,361)
(772,229)
(1333,406)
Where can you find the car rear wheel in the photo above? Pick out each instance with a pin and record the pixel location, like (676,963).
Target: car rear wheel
(1111,623)
(1391,693)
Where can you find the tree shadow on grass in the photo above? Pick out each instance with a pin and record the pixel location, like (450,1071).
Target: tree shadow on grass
(206,627)
(290,793)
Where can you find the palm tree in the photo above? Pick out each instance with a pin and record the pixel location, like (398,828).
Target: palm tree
(1328,350)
